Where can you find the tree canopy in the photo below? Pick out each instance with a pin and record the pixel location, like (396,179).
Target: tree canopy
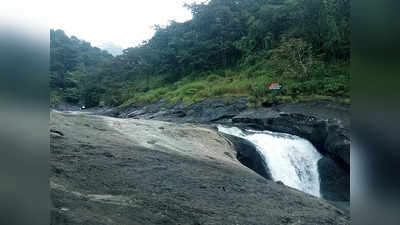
(222,34)
(74,64)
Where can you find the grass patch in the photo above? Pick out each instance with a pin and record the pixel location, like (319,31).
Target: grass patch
(253,82)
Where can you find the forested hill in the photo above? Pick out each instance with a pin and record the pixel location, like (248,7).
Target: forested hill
(230,48)
(74,65)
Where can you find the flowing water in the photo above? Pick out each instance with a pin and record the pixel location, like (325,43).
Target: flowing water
(290,159)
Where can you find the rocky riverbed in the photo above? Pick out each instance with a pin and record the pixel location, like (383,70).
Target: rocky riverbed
(325,124)
(138,171)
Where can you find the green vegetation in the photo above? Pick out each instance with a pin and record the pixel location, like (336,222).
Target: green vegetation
(252,82)
(74,68)
(229,49)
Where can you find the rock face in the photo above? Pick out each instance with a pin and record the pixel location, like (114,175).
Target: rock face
(128,171)
(209,110)
(335,182)
(248,155)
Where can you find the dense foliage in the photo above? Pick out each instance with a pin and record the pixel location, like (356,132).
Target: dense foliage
(74,65)
(229,48)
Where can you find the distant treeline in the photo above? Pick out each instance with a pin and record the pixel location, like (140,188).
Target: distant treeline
(298,36)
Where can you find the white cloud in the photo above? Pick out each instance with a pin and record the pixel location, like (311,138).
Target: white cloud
(123,22)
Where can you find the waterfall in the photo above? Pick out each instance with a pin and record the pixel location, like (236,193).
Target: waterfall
(290,159)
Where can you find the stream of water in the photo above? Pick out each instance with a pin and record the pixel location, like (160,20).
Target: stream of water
(290,159)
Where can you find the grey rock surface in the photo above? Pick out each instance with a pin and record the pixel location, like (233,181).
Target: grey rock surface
(128,171)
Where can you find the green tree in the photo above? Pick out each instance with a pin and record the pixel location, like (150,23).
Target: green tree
(294,57)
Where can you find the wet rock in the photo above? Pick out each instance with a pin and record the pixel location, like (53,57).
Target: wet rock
(337,144)
(249,156)
(335,181)
(270,103)
(179,113)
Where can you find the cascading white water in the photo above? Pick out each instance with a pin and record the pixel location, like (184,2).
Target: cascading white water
(290,159)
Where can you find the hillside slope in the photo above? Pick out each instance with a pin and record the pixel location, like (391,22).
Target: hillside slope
(228,49)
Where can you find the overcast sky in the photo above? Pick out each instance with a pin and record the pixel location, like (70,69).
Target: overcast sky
(123,22)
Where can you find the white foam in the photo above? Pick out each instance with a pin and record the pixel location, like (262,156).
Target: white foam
(290,159)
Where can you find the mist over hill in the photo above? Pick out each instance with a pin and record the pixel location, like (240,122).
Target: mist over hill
(112,48)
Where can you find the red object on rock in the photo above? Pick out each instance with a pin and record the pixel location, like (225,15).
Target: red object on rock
(275,86)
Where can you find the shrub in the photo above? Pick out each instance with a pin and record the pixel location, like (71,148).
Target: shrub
(55,98)
(284,99)
(212,78)
(293,58)
(192,89)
